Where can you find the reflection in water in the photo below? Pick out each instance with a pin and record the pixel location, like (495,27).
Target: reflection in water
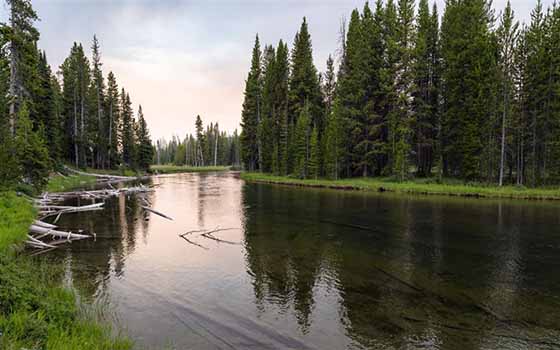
(322,269)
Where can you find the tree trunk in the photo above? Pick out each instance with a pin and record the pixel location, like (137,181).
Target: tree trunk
(502,152)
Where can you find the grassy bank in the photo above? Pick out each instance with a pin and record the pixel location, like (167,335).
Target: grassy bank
(59,183)
(173,169)
(421,186)
(36,312)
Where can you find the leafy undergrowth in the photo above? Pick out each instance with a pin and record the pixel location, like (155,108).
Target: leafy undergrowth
(36,312)
(420,186)
(172,169)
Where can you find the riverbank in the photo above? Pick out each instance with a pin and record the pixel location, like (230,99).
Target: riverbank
(174,169)
(36,311)
(421,186)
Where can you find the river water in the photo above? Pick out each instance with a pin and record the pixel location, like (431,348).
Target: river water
(320,269)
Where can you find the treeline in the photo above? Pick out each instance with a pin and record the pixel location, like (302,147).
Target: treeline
(210,147)
(45,121)
(476,98)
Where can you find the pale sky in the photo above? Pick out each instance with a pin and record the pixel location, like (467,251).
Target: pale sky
(180,58)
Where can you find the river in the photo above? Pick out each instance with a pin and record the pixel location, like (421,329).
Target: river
(320,269)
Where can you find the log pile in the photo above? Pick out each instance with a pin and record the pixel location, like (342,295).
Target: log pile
(45,236)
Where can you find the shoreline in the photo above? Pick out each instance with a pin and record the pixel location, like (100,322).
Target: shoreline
(33,290)
(410,187)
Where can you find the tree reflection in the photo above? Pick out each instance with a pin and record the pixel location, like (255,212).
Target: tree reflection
(433,272)
(90,263)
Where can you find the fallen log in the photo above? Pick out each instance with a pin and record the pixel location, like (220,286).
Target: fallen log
(55,233)
(44,224)
(37,243)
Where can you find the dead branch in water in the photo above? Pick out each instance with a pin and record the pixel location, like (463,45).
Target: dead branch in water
(209,235)
(156,212)
(56,233)
(193,243)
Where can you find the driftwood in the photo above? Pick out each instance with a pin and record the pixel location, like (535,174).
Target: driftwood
(56,233)
(156,212)
(43,224)
(46,236)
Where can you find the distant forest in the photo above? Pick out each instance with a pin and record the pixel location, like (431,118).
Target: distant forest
(75,116)
(476,97)
(210,147)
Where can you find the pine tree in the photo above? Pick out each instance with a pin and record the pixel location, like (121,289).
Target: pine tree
(127,130)
(112,121)
(267,129)
(22,37)
(425,103)
(469,75)
(250,115)
(201,141)
(97,113)
(304,87)
(314,153)
(507,37)
(47,103)
(301,144)
(32,154)
(144,148)
(401,116)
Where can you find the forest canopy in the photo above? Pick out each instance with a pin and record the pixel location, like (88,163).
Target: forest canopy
(475,97)
(75,116)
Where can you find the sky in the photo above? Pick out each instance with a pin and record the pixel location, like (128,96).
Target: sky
(180,58)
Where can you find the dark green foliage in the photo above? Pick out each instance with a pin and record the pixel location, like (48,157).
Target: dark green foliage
(314,154)
(74,120)
(425,102)
(472,99)
(144,148)
(469,74)
(32,154)
(250,115)
(301,144)
(112,120)
(127,130)
(304,90)
(200,142)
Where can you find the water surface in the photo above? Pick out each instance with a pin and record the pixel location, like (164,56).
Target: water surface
(321,269)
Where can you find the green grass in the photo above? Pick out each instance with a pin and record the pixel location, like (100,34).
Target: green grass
(419,186)
(59,183)
(172,169)
(36,312)
(16,214)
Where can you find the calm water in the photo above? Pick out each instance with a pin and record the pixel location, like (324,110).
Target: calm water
(320,269)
